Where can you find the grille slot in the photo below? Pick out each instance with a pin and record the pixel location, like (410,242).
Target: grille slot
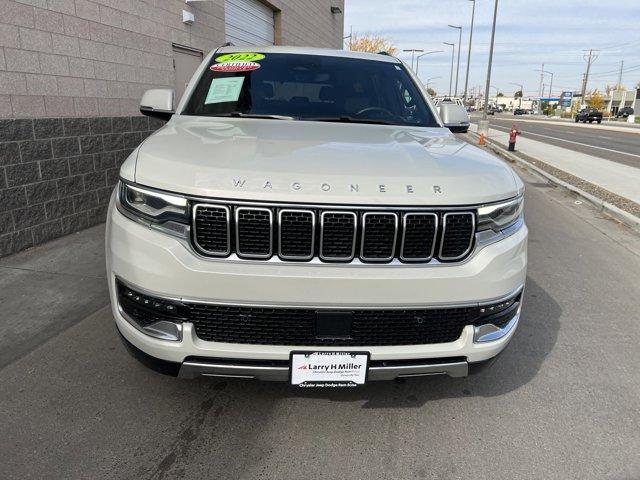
(457,235)
(254,232)
(338,235)
(212,231)
(419,233)
(296,229)
(379,231)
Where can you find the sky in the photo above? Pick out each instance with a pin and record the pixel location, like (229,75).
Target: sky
(528,33)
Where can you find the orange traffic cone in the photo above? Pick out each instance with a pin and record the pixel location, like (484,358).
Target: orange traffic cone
(481,139)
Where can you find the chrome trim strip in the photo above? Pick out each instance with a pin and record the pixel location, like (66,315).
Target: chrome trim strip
(444,228)
(153,332)
(150,293)
(237,228)
(404,231)
(355,233)
(195,235)
(332,206)
(489,332)
(276,373)
(395,237)
(313,234)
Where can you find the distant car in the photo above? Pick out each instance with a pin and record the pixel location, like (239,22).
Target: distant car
(491,111)
(624,112)
(589,115)
(519,111)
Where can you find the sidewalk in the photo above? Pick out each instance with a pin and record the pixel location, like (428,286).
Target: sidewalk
(621,180)
(47,289)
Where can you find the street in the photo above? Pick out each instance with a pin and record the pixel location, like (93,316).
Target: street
(563,401)
(593,139)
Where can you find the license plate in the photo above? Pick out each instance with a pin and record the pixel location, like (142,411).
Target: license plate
(329,369)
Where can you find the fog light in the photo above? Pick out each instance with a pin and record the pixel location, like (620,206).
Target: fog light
(156,317)
(497,319)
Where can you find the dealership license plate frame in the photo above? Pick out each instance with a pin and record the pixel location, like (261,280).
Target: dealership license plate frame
(329,383)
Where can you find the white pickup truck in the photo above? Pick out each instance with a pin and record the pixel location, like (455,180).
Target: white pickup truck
(305,216)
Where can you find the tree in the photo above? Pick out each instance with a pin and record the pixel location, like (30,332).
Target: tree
(431,92)
(372,43)
(518,94)
(596,100)
(500,94)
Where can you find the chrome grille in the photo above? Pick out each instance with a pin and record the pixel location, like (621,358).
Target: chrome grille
(333,235)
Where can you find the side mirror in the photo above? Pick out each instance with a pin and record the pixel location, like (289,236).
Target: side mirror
(158,103)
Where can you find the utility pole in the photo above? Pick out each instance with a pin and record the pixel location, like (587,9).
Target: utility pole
(455,93)
(466,79)
(493,37)
(541,80)
(620,75)
(453,56)
(589,59)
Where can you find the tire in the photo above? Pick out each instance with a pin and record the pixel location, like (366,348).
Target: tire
(590,121)
(577,119)
(599,122)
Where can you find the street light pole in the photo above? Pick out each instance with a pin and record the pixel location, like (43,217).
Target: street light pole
(455,93)
(422,55)
(493,37)
(413,52)
(453,56)
(466,79)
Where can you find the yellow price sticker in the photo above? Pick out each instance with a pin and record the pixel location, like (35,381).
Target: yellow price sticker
(240,57)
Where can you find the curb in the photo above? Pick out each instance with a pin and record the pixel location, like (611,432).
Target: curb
(617,213)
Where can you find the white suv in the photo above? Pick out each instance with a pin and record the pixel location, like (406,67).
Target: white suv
(304,216)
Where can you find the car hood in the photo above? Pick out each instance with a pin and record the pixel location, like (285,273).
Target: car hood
(320,162)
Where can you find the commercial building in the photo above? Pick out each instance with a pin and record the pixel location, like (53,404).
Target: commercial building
(72,73)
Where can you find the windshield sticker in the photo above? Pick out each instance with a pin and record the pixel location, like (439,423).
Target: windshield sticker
(240,57)
(235,67)
(224,90)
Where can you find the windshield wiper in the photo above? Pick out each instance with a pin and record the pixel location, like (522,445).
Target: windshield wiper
(348,119)
(253,115)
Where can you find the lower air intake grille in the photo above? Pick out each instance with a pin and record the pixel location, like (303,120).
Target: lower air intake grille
(282,326)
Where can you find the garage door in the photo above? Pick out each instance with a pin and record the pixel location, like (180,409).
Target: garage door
(248,22)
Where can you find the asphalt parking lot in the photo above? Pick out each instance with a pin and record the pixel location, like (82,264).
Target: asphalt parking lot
(563,401)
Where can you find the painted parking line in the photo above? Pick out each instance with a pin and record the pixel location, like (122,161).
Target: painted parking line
(572,142)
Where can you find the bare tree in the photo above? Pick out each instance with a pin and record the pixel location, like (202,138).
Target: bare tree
(372,43)
(432,92)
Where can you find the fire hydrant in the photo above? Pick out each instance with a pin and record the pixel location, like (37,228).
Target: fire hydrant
(513,133)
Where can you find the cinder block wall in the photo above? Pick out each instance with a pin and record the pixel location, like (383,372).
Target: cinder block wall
(71,75)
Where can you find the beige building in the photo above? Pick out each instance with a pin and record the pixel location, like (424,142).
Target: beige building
(72,73)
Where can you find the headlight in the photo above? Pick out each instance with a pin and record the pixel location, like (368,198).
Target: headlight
(500,216)
(160,210)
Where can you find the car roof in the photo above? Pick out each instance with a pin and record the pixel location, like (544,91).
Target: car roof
(311,51)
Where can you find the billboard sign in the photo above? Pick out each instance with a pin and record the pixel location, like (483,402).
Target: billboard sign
(565,99)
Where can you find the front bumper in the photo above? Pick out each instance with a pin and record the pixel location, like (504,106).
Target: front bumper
(165,266)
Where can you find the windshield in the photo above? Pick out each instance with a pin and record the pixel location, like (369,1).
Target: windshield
(309,87)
